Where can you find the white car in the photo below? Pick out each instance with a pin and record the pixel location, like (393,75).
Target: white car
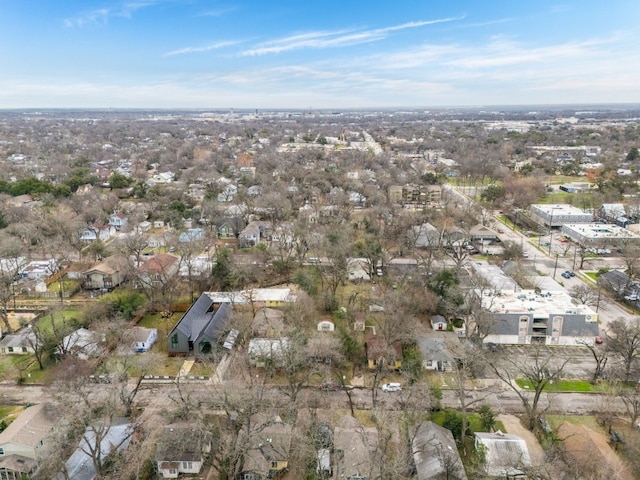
(391,387)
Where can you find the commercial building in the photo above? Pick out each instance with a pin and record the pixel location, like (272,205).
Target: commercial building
(559,214)
(600,235)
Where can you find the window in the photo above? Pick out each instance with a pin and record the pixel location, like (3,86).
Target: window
(10,349)
(274,464)
(173,471)
(24,349)
(187,465)
(429,363)
(1,451)
(174,341)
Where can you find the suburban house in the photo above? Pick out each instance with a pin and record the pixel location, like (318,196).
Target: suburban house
(381,354)
(19,343)
(82,343)
(200,329)
(38,269)
(80,465)
(614,213)
(267,351)
(258,297)
(157,270)
(181,450)
(118,221)
(268,444)
(435,454)
(358,269)
(506,455)
(620,283)
(435,354)
(191,235)
(528,316)
(229,227)
(192,267)
(483,234)
(97,232)
(253,233)
(425,236)
(141,338)
(108,274)
(354,450)
(21,440)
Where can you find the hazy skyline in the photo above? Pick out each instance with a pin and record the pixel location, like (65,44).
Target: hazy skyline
(319,54)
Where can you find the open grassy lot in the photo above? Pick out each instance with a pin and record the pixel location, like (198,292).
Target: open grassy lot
(562,386)
(472,418)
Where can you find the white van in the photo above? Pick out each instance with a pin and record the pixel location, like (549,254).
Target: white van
(391,387)
(324,463)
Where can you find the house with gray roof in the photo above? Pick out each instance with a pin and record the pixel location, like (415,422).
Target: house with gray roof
(181,450)
(435,454)
(201,328)
(434,351)
(21,440)
(19,343)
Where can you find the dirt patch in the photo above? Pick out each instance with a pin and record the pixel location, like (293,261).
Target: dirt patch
(588,450)
(18,319)
(512,425)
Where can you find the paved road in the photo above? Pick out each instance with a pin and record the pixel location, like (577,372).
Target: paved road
(495,393)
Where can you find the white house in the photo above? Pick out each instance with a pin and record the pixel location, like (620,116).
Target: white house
(142,339)
(265,350)
(38,269)
(19,343)
(82,343)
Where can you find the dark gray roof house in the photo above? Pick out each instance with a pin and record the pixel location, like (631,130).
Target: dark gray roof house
(435,454)
(200,328)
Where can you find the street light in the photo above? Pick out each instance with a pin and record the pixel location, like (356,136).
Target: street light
(550,225)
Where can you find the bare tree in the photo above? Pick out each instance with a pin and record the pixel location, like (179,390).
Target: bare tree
(540,368)
(623,339)
(585,294)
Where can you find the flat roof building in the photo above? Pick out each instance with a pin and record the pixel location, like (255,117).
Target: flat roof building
(557,215)
(598,234)
(547,317)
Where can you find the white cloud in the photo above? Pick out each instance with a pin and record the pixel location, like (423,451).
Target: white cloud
(206,48)
(101,16)
(339,38)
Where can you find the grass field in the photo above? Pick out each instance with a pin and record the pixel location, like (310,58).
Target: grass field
(561,386)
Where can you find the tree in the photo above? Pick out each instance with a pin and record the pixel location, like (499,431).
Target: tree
(623,339)
(633,154)
(585,294)
(540,368)
(600,356)
(117,180)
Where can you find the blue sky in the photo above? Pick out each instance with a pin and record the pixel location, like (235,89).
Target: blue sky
(316,53)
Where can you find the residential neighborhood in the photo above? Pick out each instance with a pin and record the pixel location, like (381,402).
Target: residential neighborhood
(319,295)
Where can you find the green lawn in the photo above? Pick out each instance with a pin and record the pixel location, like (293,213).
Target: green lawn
(8,413)
(561,386)
(13,367)
(472,418)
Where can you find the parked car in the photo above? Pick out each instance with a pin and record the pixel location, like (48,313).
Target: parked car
(632,298)
(599,340)
(566,275)
(391,387)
